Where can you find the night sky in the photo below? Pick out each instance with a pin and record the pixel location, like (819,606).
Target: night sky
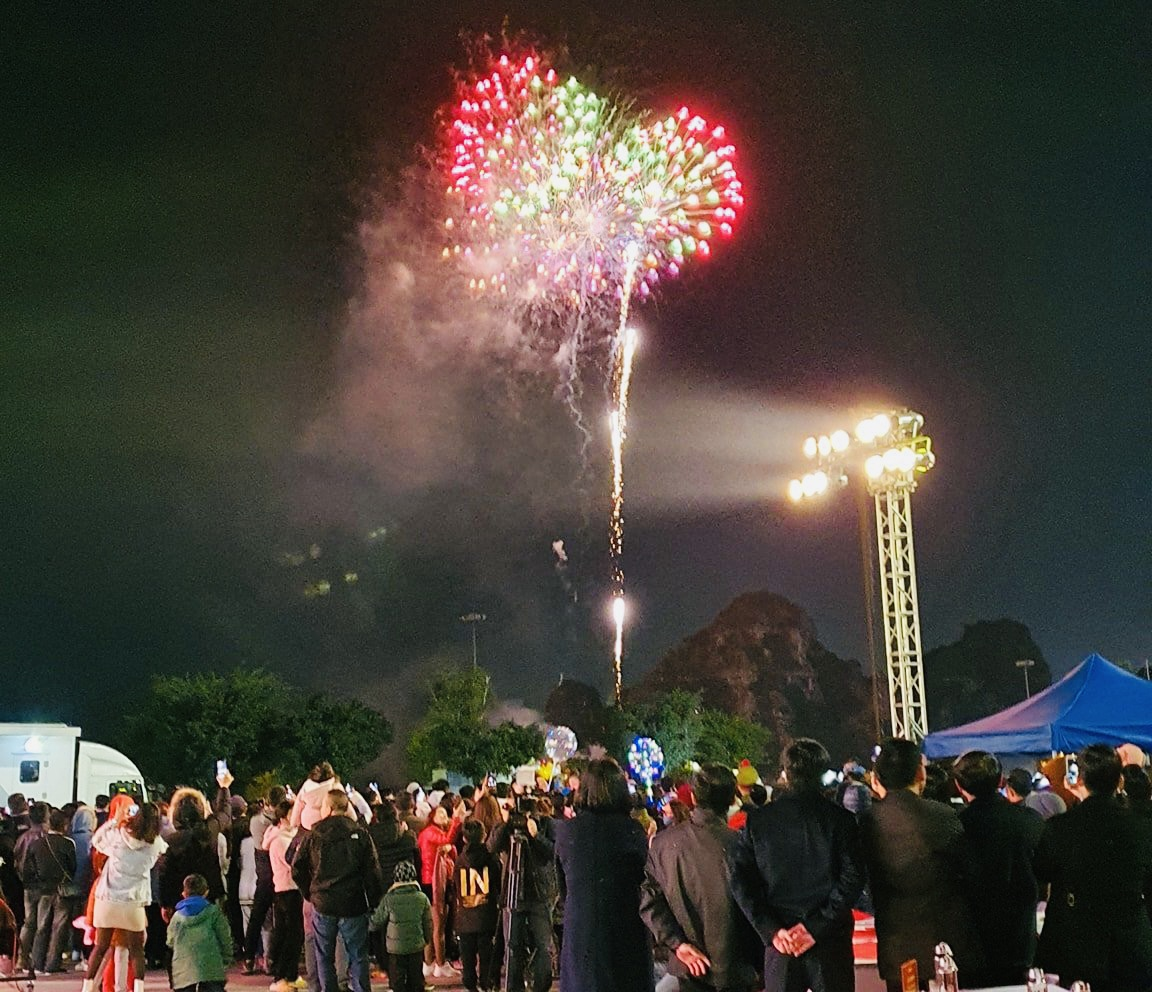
(219,346)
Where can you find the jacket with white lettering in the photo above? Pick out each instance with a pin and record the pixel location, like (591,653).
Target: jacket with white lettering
(476,890)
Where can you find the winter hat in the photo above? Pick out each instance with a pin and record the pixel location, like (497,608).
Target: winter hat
(746,775)
(405,872)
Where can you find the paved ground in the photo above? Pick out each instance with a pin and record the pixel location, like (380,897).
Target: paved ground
(866,981)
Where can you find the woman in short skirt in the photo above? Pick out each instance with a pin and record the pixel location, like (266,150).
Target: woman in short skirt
(133,844)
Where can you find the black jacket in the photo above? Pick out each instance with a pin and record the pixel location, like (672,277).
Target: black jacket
(476,890)
(391,849)
(798,860)
(1098,859)
(1002,839)
(336,868)
(920,870)
(191,850)
(536,888)
(685,899)
(50,859)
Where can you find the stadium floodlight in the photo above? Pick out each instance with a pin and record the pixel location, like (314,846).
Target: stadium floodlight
(894,453)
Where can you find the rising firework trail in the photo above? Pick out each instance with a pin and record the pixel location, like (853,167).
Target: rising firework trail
(562,206)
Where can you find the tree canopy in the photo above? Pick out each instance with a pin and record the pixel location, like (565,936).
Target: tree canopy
(251,718)
(456,734)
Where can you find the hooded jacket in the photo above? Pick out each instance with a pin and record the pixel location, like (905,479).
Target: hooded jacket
(201,943)
(276,841)
(126,877)
(306,809)
(407,914)
(476,890)
(336,868)
(192,849)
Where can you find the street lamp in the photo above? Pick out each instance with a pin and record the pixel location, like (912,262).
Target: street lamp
(1024,664)
(895,454)
(475,619)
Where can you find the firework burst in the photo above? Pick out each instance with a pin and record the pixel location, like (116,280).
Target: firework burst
(565,202)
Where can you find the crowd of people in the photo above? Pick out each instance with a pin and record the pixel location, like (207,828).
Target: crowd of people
(715,881)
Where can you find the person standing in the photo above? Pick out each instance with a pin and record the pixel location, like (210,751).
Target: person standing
(919,868)
(200,939)
(132,843)
(1097,858)
(283,959)
(527,847)
(193,849)
(476,894)
(337,871)
(405,915)
(796,871)
(600,855)
(262,820)
(49,870)
(437,843)
(685,900)
(1002,839)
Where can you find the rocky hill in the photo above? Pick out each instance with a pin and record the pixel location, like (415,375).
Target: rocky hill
(761,659)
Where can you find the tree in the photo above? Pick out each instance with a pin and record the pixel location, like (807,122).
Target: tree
(727,739)
(254,720)
(672,719)
(455,732)
(578,706)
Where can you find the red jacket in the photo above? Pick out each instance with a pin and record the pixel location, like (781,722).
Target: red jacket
(430,840)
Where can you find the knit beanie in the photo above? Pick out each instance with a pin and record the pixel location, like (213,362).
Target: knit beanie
(405,872)
(747,775)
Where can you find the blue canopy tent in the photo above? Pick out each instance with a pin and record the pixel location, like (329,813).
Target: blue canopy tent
(1095,703)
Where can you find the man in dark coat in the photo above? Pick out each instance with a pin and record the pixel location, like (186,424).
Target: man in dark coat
(919,869)
(796,870)
(685,898)
(1002,839)
(337,871)
(1098,859)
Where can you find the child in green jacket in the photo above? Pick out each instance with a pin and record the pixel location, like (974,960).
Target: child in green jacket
(407,914)
(200,939)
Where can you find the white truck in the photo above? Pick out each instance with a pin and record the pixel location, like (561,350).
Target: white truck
(49,762)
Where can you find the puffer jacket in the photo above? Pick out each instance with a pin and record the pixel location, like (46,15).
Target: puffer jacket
(407,914)
(126,877)
(306,809)
(431,839)
(201,943)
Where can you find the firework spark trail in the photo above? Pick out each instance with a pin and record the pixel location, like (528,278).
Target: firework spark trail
(625,351)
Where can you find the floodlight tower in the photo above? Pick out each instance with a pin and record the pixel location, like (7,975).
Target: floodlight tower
(895,454)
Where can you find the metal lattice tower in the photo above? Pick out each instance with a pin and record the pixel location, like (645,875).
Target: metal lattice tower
(901,613)
(899,455)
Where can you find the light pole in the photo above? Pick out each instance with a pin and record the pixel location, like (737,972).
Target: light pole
(475,619)
(895,454)
(1024,664)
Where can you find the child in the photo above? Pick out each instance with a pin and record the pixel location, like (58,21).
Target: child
(201,940)
(407,914)
(476,882)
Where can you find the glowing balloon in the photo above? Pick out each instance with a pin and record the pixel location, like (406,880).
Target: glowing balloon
(560,744)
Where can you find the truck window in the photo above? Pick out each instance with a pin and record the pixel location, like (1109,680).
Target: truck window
(29,771)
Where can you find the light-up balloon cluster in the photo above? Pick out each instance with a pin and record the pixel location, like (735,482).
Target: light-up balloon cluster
(550,184)
(646,760)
